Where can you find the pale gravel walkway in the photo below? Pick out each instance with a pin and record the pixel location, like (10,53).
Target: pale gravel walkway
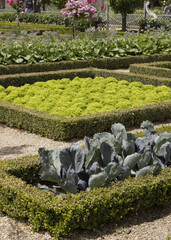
(150,225)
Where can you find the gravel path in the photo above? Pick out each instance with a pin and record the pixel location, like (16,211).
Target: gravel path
(154,224)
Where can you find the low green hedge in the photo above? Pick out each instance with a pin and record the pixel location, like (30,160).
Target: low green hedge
(21,79)
(18,80)
(103,63)
(152,69)
(86,210)
(61,128)
(165,64)
(133,77)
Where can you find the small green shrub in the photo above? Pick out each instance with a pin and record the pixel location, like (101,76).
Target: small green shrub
(151,24)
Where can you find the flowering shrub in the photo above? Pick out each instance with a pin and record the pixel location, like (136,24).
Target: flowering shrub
(17,5)
(79,9)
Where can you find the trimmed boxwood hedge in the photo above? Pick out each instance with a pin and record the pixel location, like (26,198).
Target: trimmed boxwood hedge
(18,80)
(161,70)
(103,63)
(61,128)
(86,210)
(133,77)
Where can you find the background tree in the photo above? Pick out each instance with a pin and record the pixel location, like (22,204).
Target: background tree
(2,4)
(59,3)
(125,7)
(44,3)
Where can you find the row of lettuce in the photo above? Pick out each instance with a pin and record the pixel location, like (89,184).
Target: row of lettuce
(83,96)
(51,48)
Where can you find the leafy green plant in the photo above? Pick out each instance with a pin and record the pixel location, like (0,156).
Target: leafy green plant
(151,24)
(108,157)
(34,49)
(84,96)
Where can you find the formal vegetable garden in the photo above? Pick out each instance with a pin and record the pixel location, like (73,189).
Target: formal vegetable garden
(115,172)
(84,96)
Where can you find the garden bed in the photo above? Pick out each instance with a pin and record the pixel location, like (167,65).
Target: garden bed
(58,127)
(61,128)
(86,210)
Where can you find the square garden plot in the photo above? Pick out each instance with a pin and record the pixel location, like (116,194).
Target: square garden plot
(68,109)
(59,215)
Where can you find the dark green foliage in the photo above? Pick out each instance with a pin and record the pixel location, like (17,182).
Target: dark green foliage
(86,210)
(151,24)
(124,7)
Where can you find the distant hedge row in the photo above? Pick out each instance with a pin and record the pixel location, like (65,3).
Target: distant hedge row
(102,63)
(162,69)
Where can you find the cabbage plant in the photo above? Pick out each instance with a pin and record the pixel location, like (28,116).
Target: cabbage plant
(108,157)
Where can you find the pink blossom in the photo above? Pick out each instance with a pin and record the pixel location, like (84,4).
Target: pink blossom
(23,10)
(79,8)
(102,6)
(21,2)
(7,1)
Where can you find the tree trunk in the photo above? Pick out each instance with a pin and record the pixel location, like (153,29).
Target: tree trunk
(2,4)
(44,9)
(18,19)
(74,29)
(124,15)
(66,22)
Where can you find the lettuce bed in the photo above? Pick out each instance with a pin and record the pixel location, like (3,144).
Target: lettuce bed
(86,210)
(83,96)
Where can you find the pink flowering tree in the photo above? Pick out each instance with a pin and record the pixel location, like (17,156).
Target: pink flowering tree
(18,5)
(79,9)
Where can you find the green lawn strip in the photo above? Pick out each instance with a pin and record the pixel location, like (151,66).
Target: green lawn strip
(35,26)
(86,210)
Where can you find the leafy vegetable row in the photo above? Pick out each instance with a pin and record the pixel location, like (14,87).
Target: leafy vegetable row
(83,96)
(108,157)
(50,49)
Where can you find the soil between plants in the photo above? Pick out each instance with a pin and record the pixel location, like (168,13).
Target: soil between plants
(152,224)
